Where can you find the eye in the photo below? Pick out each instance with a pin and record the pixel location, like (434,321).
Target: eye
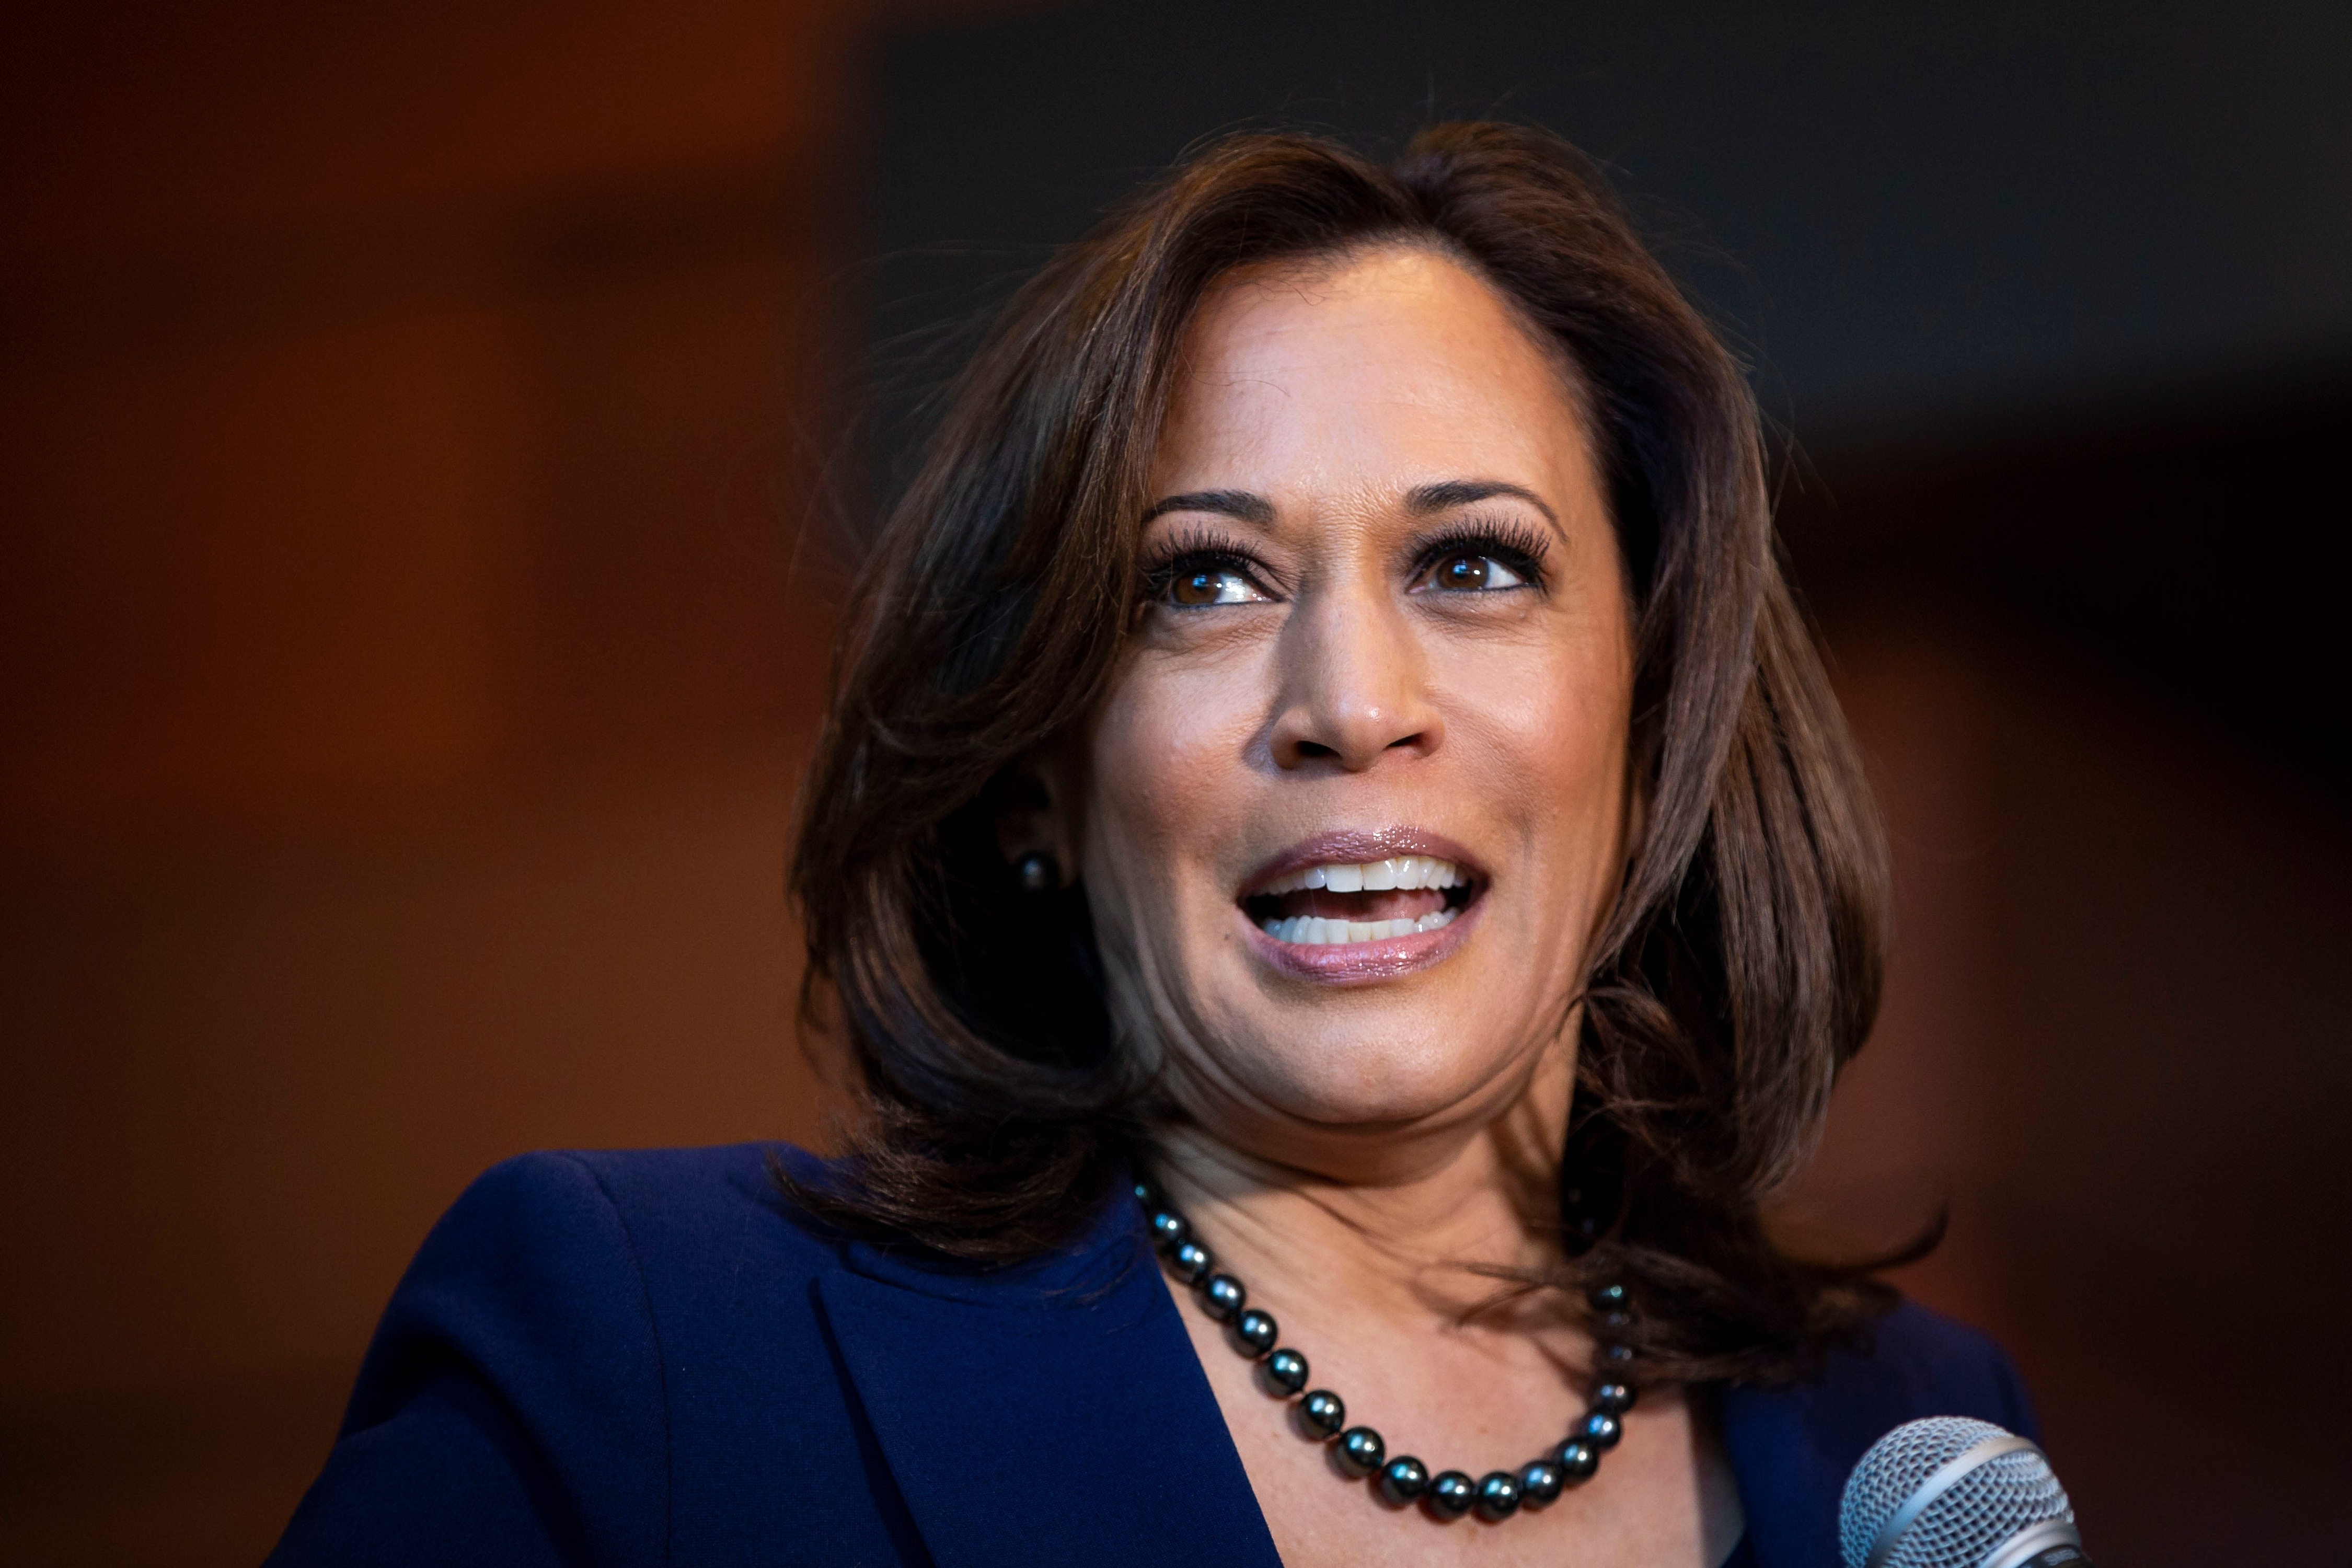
(1466,572)
(1197,586)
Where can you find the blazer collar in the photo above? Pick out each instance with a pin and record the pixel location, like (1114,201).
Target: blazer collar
(1055,1413)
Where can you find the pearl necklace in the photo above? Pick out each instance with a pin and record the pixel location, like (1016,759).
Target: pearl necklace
(1360,1450)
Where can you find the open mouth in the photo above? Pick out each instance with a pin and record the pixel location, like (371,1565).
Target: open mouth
(1331,903)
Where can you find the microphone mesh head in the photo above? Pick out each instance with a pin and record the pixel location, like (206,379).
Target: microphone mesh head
(1985,1509)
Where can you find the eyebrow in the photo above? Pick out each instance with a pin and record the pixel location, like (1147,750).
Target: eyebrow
(1242,504)
(1420,501)
(1426,499)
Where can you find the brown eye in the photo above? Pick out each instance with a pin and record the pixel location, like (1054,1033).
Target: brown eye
(1467,572)
(1470,572)
(1198,587)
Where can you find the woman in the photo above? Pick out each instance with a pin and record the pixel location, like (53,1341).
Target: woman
(1327,783)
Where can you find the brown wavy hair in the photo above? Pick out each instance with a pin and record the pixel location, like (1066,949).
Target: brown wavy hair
(1740,968)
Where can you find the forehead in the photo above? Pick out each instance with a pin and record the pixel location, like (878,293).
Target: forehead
(1377,369)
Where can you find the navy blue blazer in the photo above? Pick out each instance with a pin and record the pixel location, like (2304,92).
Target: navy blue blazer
(648,1358)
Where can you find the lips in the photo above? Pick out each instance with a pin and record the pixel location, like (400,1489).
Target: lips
(1340,896)
(1361,902)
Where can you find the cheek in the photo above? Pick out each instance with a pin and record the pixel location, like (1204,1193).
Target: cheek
(1574,732)
(1544,728)
(1558,706)
(1169,779)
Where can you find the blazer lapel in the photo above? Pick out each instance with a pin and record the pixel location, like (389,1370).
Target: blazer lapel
(1055,1414)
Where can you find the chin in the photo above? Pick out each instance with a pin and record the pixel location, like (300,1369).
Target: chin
(1359,1076)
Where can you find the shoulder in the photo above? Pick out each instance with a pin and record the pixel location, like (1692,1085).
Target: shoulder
(694,1252)
(588,1349)
(1793,1448)
(661,1188)
(1914,1361)
(666,1210)
(552,1262)
(623,1231)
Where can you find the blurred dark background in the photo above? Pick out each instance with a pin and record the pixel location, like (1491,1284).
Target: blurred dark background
(428,438)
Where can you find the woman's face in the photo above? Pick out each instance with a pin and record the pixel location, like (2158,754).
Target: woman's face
(1357,801)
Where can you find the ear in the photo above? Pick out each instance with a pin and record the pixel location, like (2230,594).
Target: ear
(1637,808)
(1034,803)
(1643,747)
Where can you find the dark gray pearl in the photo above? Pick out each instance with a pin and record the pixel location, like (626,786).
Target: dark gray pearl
(1610,1298)
(1285,1368)
(1143,1194)
(1192,1262)
(1360,1450)
(1498,1495)
(1614,1361)
(1222,1296)
(1576,1460)
(1615,1325)
(1168,1228)
(1450,1495)
(1539,1483)
(1324,1412)
(1602,1430)
(1257,1332)
(1402,1480)
(1614,1397)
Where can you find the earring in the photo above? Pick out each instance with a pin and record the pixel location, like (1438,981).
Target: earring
(1039,873)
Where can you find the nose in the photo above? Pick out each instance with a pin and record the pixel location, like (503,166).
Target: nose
(1354,685)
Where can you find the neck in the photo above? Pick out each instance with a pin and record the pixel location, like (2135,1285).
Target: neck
(1409,1227)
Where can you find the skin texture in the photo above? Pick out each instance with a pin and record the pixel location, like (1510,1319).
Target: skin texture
(1356,1145)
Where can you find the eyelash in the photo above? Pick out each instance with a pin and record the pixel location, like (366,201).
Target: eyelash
(1515,544)
(1197,548)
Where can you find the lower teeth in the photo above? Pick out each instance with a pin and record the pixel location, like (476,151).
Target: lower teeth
(1314,931)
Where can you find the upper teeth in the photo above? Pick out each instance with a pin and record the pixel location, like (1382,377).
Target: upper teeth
(1372,875)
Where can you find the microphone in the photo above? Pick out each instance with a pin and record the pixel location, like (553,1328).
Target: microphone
(1949,1492)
